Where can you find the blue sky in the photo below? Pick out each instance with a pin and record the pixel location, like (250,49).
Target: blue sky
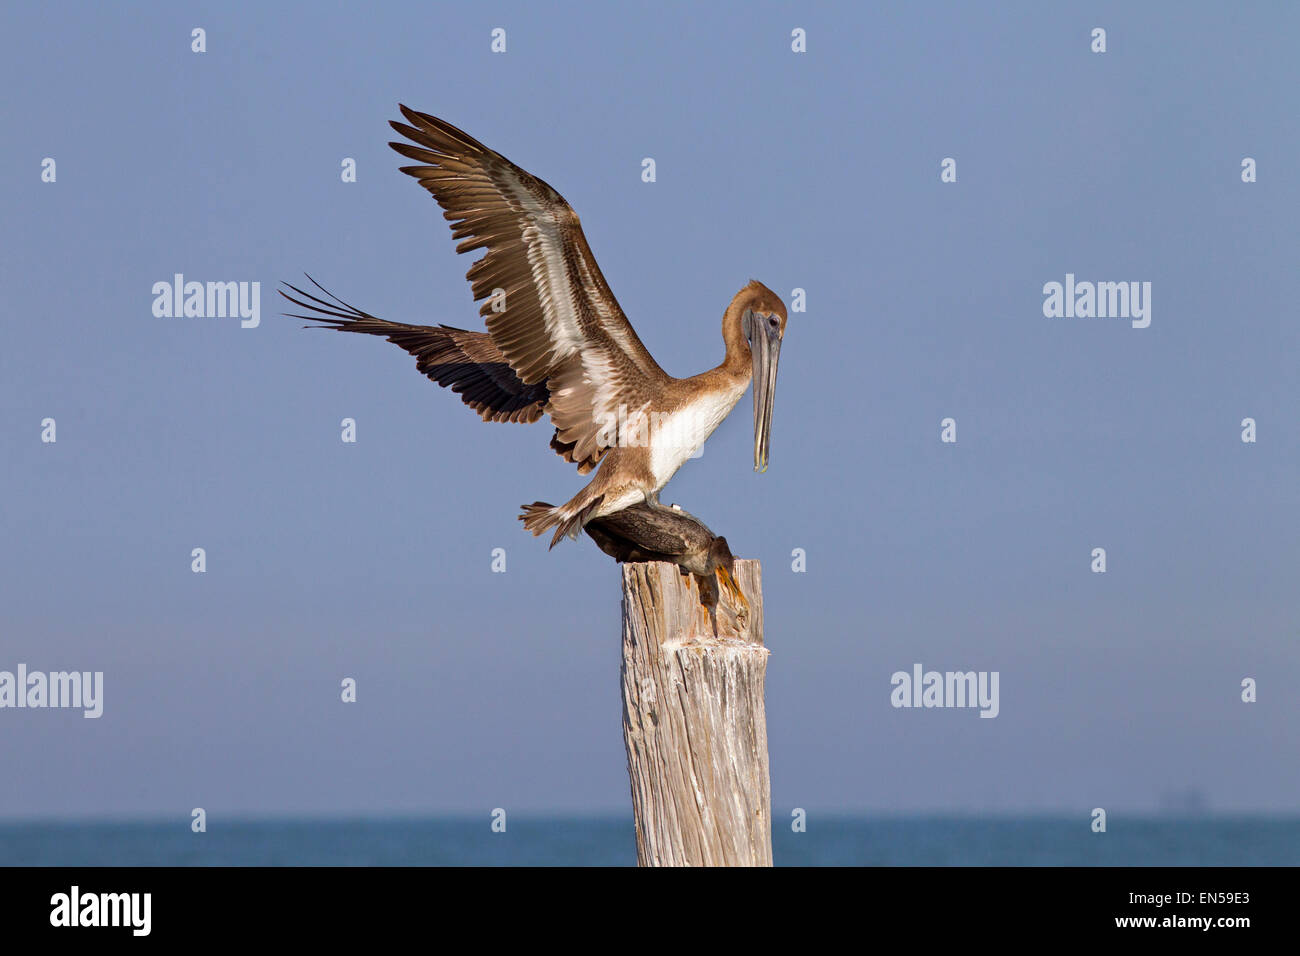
(817,171)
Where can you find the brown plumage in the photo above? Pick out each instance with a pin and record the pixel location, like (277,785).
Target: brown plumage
(468,363)
(642,533)
(558,323)
(557,340)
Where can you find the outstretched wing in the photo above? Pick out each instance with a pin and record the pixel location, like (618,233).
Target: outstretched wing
(466,362)
(469,363)
(547,306)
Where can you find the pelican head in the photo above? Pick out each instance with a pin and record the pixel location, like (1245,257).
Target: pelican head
(762,321)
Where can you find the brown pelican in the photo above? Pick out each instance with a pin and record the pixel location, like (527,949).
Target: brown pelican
(557,341)
(642,533)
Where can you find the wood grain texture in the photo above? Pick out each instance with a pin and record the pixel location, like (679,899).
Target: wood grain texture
(693,720)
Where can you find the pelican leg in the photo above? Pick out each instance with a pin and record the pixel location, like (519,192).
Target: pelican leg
(678,509)
(652,502)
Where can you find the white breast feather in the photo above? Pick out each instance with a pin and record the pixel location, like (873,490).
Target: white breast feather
(681,434)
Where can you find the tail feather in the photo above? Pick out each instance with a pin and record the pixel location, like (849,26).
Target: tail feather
(568,520)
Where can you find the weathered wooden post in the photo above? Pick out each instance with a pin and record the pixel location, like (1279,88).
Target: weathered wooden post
(693,720)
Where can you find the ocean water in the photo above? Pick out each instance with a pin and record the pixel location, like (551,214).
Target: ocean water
(606,841)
